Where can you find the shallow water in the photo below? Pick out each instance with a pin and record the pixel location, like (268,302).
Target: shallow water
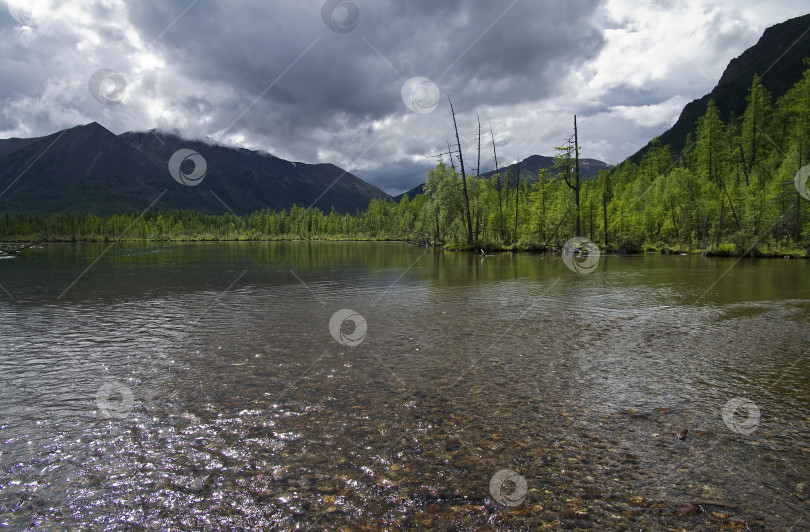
(197,386)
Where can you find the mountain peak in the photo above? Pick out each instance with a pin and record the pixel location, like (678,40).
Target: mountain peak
(91,126)
(88,169)
(777,58)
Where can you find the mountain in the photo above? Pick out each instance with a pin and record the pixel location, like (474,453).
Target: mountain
(777,58)
(88,169)
(418,189)
(529,167)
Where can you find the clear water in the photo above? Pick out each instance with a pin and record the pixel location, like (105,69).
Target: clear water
(198,386)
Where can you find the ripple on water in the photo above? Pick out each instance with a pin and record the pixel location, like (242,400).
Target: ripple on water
(247,414)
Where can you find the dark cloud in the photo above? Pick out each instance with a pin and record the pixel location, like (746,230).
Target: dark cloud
(481,52)
(273,76)
(397,177)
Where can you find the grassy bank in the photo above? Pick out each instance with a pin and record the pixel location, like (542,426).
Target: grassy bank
(719,250)
(727,249)
(16,239)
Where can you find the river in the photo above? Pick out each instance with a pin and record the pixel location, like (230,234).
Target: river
(321,385)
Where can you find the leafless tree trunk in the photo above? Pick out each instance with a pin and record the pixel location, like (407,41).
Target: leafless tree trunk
(604,206)
(467,216)
(797,227)
(478,176)
(575,185)
(576,167)
(498,181)
(517,200)
(478,168)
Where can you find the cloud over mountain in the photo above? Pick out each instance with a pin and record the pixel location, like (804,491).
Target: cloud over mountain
(275,76)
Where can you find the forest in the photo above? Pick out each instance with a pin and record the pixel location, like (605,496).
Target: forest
(735,189)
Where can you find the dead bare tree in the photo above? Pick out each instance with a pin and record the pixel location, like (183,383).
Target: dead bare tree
(575,184)
(605,186)
(478,176)
(517,199)
(14,251)
(478,168)
(467,217)
(797,223)
(498,182)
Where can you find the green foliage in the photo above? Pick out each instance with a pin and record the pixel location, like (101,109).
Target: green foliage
(731,191)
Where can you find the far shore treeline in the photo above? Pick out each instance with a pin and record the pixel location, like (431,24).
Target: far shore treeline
(731,191)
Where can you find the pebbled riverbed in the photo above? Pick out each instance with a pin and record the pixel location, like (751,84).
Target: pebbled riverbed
(198,386)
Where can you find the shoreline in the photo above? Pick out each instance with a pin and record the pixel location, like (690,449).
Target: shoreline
(727,250)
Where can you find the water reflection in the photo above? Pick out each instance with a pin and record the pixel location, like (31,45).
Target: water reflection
(247,413)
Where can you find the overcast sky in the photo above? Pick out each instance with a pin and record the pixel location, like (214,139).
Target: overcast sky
(363,84)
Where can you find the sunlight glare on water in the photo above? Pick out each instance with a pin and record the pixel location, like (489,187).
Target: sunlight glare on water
(246,412)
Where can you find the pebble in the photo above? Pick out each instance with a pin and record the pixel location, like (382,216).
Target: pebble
(690,510)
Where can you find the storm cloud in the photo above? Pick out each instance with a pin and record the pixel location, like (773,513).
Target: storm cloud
(322,81)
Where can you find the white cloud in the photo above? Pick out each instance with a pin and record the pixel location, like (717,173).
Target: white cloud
(662,114)
(625,68)
(660,55)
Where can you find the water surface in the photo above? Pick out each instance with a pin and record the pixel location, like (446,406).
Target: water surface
(246,412)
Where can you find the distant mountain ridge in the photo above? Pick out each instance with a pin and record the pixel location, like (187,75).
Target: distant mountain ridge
(529,168)
(777,58)
(88,169)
